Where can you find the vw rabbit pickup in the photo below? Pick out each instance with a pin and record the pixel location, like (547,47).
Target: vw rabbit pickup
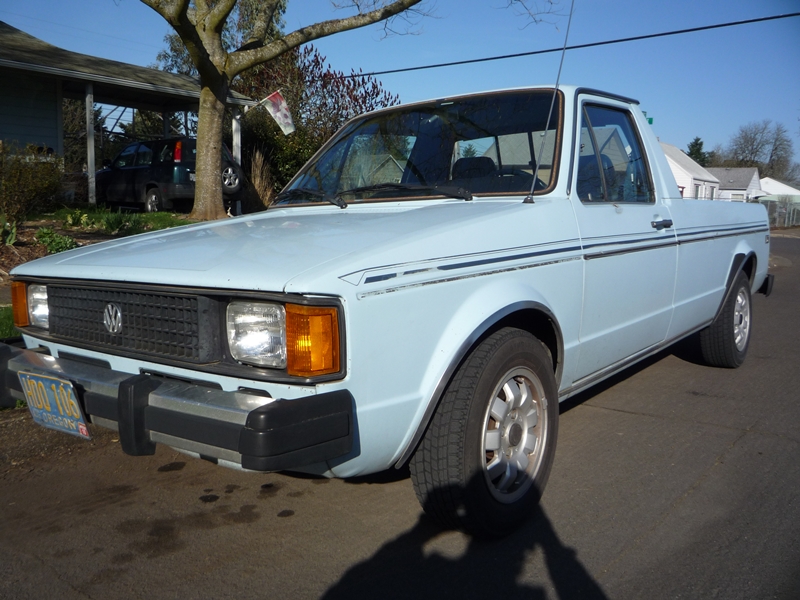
(424,292)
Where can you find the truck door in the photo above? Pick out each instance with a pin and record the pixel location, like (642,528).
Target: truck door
(629,245)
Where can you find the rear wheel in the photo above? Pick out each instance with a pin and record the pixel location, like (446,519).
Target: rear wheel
(231,182)
(152,200)
(486,456)
(724,343)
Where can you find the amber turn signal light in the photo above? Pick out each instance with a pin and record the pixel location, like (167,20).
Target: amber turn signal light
(312,340)
(19,303)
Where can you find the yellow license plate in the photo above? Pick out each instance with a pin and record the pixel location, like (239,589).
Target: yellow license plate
(53,403)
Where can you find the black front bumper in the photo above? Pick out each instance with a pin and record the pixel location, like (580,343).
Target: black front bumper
(243,427)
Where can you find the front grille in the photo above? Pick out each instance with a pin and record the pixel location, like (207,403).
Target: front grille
(161,324)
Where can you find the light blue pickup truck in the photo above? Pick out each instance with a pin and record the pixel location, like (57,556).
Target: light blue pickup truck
(425,291)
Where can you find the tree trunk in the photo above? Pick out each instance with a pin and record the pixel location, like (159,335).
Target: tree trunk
(208,203)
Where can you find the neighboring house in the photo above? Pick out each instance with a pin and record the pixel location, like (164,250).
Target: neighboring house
(773,187)
(782,202)
(737,184)
(515,152)
(383,166)
(693,180)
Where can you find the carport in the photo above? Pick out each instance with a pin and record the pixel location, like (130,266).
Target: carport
(36,76)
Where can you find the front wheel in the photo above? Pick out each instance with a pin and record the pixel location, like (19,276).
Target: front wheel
(484,461)
(724,343)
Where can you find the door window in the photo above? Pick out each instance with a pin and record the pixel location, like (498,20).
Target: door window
(126,157)
(611,164)
(144,155)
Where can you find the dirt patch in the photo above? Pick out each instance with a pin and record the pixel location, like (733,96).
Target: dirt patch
(25,249)
(24,445)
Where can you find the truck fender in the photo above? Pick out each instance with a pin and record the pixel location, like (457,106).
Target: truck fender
(468,341)
(740,259)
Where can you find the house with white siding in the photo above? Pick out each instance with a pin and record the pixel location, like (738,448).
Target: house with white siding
(737,184)
(693,180)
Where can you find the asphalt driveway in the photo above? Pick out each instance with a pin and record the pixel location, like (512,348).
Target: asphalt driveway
(673,480)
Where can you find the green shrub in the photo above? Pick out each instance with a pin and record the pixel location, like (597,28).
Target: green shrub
(120,223)
(55,242)
(29,180)
(79,218)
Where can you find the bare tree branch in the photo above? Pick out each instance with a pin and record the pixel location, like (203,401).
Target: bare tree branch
(536,10)
(219,14)
(246,59)
(264,19)
(169,9)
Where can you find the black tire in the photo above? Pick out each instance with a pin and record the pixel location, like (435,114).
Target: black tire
(463,473)
(231,180)
(152,200)
(724,343)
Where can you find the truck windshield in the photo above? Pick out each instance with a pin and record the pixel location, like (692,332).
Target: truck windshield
(486,144)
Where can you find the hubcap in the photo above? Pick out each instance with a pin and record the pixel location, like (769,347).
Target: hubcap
(152,202)
(514,433)
(741,320)
(229,177)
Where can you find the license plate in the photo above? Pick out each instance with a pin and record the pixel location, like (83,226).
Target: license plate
(53,403)
(192,176)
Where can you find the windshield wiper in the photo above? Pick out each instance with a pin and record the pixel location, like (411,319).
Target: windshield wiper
(444,190)
(302,191)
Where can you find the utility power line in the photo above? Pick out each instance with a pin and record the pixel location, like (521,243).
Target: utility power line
(576,46)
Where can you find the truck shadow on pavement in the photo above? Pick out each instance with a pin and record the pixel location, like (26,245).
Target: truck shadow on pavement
(414,565)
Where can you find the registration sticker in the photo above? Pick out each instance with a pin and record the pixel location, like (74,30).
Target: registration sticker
(53,403)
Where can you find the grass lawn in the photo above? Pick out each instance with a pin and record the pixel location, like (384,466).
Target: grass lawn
(114,222)
(7,323)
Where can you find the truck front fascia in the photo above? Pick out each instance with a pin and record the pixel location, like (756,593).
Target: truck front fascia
(252,430)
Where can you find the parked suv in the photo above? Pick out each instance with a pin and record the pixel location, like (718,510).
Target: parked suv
(155,173)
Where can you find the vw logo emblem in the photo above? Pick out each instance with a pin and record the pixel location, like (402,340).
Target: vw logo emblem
(112,318)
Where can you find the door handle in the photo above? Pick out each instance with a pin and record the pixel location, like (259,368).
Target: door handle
(662,224)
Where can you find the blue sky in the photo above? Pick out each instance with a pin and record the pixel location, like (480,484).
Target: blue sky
(703,84)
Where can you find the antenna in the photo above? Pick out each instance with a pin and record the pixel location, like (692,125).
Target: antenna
(529,198)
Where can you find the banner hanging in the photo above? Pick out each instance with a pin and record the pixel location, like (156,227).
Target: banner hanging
(277,107)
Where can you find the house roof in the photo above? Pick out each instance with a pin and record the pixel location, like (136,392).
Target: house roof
(731,178)
(113,82)
(685,162)
(777,188)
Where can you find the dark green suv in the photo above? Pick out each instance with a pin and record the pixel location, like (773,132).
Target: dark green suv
(155,173)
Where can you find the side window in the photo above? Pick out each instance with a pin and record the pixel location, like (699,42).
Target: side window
(166,153)
(144,155)
(126,157)
(611,164)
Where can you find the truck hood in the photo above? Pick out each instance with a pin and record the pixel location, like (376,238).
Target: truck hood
(267,251)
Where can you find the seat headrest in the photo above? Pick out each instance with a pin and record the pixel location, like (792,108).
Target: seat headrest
(473,166)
